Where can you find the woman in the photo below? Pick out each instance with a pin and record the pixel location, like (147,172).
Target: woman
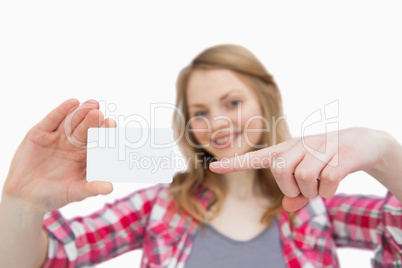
(208,216)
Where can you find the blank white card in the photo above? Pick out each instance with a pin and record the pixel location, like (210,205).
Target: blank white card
(132,155)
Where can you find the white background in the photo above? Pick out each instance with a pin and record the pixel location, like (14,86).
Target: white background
(130,54)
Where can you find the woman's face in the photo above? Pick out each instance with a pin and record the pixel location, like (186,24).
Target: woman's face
(225,114)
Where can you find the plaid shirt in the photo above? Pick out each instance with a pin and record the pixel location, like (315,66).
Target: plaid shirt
(148,219)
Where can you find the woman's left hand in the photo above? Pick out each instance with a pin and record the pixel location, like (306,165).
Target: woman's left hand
(313,165)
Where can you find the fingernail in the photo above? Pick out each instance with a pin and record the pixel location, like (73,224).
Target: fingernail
(214,164)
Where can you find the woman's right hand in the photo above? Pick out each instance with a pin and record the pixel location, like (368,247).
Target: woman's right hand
(48,170)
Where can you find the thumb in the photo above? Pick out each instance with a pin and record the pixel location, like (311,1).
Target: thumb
(83,189)
(294,203)
(99,187)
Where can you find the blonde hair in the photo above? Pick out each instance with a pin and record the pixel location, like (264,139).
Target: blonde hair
(243,63)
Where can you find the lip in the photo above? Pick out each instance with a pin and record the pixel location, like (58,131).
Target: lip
(229,142)
(224,136)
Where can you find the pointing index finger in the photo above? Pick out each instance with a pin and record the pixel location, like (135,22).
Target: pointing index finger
(262,158)
(252,160)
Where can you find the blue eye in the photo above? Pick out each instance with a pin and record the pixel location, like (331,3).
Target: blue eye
(199,114)
(234,103)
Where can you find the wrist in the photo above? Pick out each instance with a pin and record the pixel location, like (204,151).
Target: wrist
(19,206)
(387,168)
(21,231)
(387,145)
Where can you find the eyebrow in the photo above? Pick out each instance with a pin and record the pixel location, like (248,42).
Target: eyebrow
(220,99)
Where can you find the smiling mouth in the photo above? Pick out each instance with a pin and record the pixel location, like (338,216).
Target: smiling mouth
(227,140)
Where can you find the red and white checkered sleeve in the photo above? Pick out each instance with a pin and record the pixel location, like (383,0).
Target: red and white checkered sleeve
(115,229)
(368,222)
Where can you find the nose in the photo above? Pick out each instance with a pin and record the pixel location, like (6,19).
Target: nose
(220,122)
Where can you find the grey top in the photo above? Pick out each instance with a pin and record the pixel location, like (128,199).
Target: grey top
(213,249)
